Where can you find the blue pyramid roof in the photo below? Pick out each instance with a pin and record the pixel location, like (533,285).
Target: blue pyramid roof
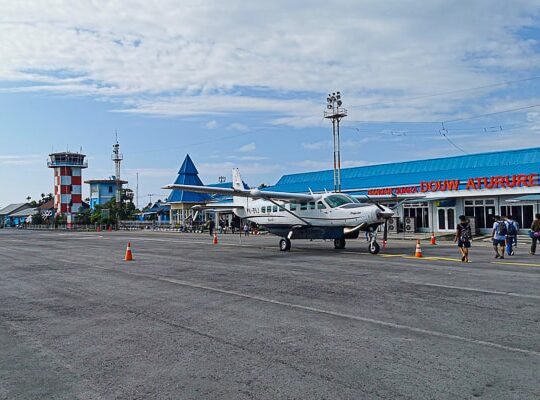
(187,175)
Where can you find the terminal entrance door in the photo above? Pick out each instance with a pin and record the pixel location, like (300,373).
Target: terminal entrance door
(446,218)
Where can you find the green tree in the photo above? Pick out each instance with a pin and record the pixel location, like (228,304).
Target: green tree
(37,218)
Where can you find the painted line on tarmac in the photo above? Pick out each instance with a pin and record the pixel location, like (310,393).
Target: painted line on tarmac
(515,263)
(338,314)
(469,289)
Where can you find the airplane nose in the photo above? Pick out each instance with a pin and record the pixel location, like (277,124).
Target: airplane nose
(385,214)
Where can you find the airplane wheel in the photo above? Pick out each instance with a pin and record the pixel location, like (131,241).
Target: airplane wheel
(374,248)
(339,244)
(284,244)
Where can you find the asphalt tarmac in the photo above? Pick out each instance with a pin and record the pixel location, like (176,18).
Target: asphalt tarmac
(242,320)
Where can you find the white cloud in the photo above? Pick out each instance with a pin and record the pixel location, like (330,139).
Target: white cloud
(247,148)
(323,144)
(237,126)
(211,124)
(169,173)
(206,58)
(213,170)
(320,165)
(28,159)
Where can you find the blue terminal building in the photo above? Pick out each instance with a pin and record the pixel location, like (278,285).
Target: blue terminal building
(429,195)
(102,190)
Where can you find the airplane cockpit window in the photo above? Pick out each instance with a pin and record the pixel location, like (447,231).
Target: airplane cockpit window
(320,205)
(337,200)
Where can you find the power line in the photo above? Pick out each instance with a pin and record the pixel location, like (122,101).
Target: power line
(442,132)
(493,113)
(425,96)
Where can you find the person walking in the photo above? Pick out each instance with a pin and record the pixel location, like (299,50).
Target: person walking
(463,237)
(246,229)
(211,226)
(499,236)
(512,228)
(535,233)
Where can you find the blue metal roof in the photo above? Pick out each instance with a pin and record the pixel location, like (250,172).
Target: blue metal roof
(187,175)
(508,162)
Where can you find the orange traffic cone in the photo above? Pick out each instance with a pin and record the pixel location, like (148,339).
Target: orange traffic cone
(129,255)
(433,238)
(418,249)
(215,241)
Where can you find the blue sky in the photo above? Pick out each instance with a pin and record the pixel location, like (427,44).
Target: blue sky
(238,84)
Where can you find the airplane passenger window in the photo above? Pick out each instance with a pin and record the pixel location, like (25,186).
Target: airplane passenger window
(292,206)
(320,205)
(263,209)
(312,205)
(303,206)
(275,209)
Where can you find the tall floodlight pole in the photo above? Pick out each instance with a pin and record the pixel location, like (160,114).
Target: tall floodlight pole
(335,112)
(117,158)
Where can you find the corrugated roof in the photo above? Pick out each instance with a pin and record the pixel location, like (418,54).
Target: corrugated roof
(412,172)
(24,213)
(12,208)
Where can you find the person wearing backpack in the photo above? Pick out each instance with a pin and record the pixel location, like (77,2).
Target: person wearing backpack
(463,237)
(535,233)
(511,235)
(499,236)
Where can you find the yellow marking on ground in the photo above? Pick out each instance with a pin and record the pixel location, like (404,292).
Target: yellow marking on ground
(444,259)
(429,258)
(515,263)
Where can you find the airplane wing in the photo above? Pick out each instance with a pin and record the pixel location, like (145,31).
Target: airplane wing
(251,193)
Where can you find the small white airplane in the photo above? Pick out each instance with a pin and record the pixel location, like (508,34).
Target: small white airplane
(328,215)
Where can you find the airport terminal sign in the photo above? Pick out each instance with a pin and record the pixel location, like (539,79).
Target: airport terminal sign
(476,183)
(479,183)
(396,191)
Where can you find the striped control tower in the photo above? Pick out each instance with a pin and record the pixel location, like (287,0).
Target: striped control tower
(67,182)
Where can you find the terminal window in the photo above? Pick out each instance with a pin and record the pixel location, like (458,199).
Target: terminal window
(523,214)
(418,211)
(482,210)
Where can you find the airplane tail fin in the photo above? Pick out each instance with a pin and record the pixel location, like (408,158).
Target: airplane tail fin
(237,183)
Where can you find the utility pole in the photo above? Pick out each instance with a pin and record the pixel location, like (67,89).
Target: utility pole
(335,112)
(137,191)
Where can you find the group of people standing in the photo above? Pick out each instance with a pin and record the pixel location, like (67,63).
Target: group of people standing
(223,227)
(504,236)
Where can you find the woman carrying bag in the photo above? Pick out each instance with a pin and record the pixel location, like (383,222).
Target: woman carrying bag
(535,233)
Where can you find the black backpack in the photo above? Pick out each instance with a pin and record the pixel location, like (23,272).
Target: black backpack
(466,234)
(501,229)
(512,230)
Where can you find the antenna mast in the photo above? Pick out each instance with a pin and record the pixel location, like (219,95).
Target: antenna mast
(117,158)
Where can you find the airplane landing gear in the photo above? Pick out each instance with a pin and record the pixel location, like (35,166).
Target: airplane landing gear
(339,244)
(374,248)
(284,244)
